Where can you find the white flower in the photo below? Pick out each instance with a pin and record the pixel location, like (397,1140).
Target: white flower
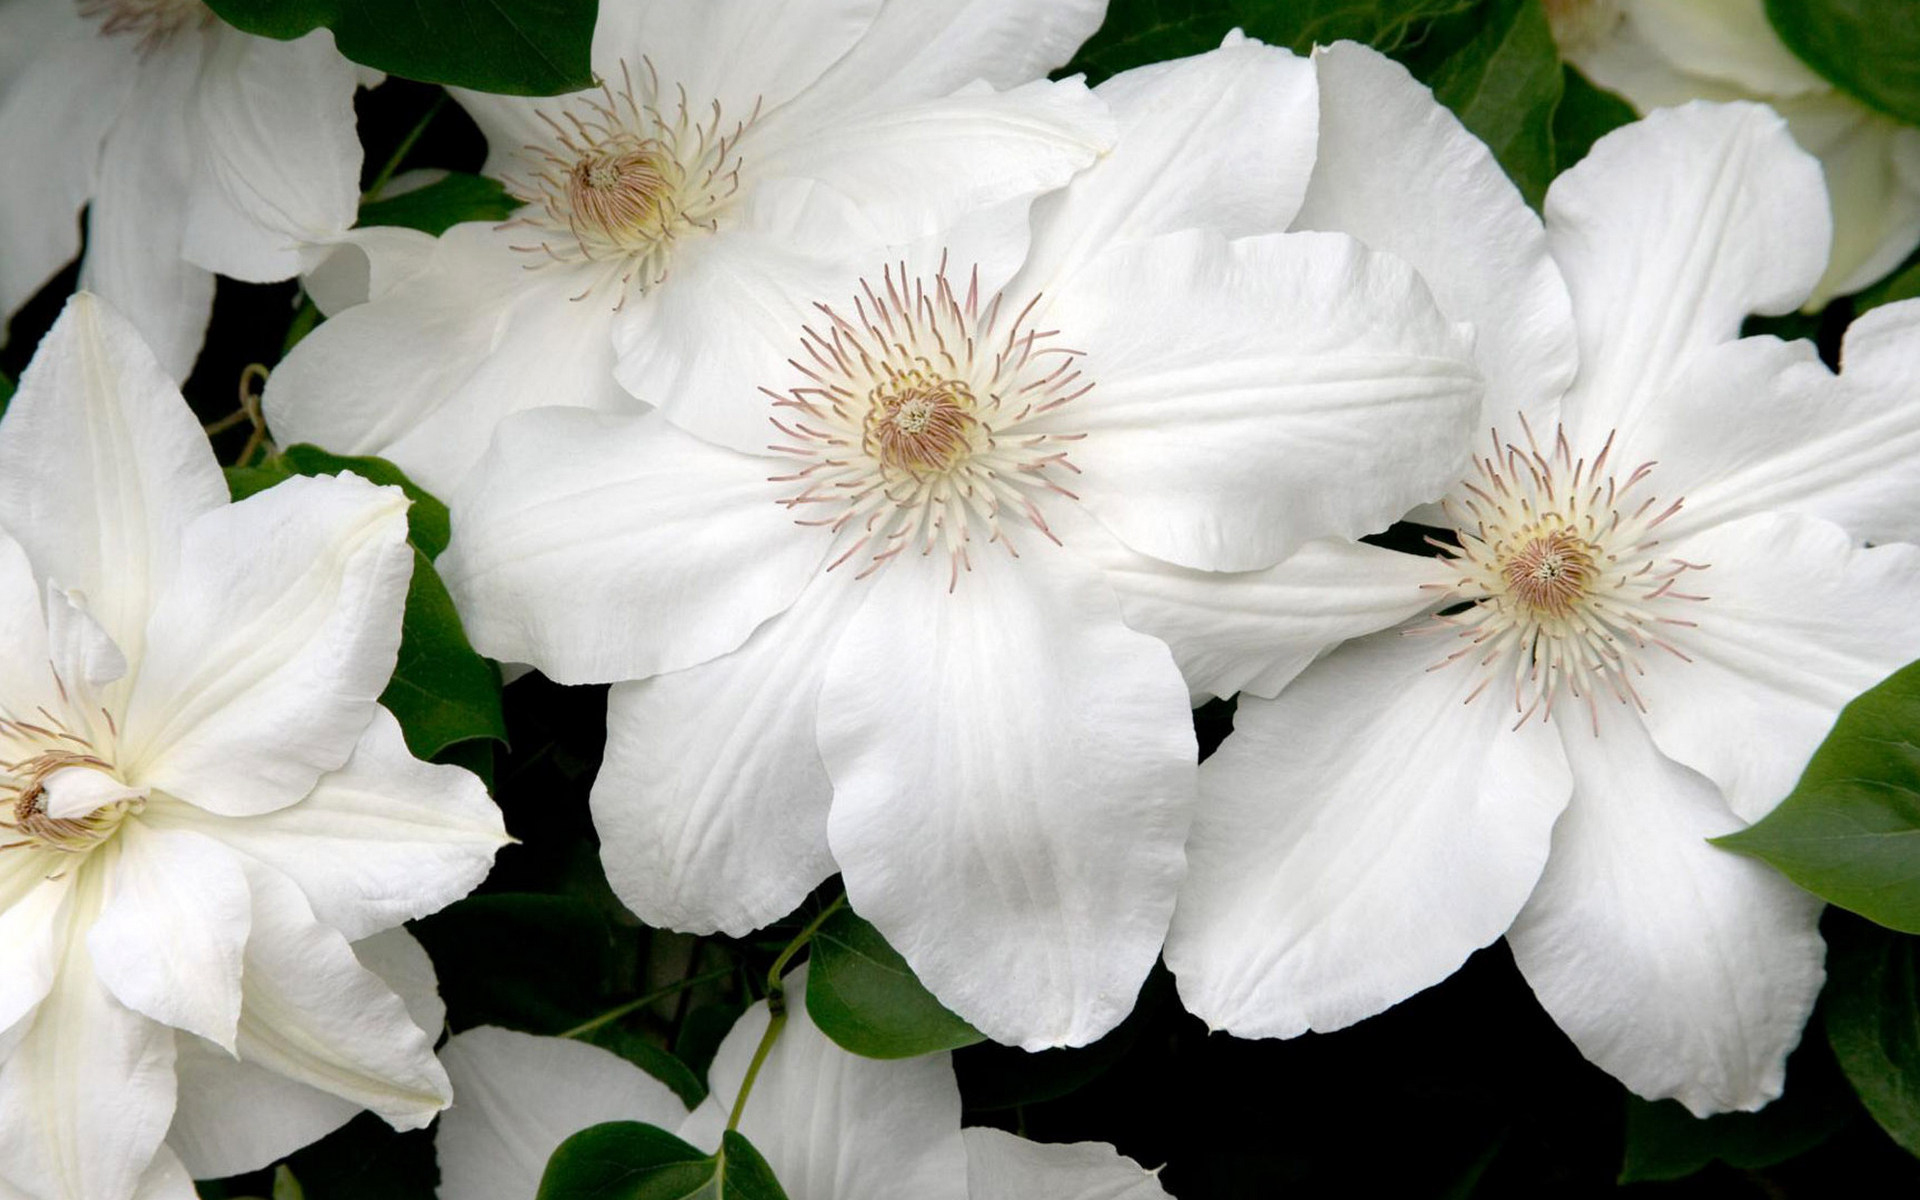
(1658,604)
(1658,53)
(742,157)
(201,805)
(196,148)
(832,1125)
(922,636)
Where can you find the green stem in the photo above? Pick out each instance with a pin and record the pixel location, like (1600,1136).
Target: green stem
(777,1006)
(400,152)
(655,997)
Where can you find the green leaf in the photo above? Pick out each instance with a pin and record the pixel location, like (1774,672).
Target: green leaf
(428,526)
(1499,71)
(285,1186)
(1902,285)
(659,1063)
(1144,31)
(441,205)
(1850,829)
(626,1160)
(1869,49)
(1586,114)
(6,391)
(442,690)
(1665,1141)
(1872,1002)
(862,994)
(519,47)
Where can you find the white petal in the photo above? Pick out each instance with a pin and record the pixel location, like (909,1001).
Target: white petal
(76,791)
(26,673)
(1798,621)
(1725,40)
(384,839)
(1876,204)
(1252,395)
(1253,631)
(84,657)
(365,264)
(282,157)
(1760,425)
(102,466)
(235,1117)
(711,803)
(1669,233)
(516,1097)
(575,523)
(1357,839)
(53,117)
(1186,158)
(1013,777)
(1398,171)
(1682,969)
(136,226)
(33,928)
(311,1012)
(833,1125)
(166,1178)
(1001,1166)
(86,1095)
(268,649)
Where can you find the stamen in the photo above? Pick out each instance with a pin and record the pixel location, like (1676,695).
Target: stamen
(155,21)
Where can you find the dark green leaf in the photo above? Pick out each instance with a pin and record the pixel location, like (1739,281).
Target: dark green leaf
(1850,829)
(1497,68)
(1868,48)
(441,205)
(519,47)
(1586,114)
(649,1058)
(428,526)
(1901,285)
(6,391)
(442,691)
(1145,31)
(625,1160)
(1872,1002)
(245,481)
(862,994)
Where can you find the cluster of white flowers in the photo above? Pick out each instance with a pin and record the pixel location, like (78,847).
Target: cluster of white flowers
(911,440)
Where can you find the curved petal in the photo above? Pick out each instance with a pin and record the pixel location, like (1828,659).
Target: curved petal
(1725,40)
(169,941)
(1398,171)
(312,1012)
(1760,425)
(1187,157)
(269,647)
(1681,969)
(575,522)
(384,839)
(1013,777)
(33,920)
(1255,394)
(281,155)
(136,226)
(1001,1166)
(516,1097)
(1669,233)
(1357,839)
(1253,631)
(833,1125)
(1876,205)
(1798,620)
(26,659)
(166,1178)
(102,467)
(711,803)
(235,1117)
(87,1092)
(365,264)
(53,118)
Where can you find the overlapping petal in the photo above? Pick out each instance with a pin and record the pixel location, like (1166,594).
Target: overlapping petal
(1001,1166)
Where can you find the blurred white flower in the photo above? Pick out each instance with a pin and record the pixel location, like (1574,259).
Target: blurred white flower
(921,633)
(201,804)
(1658,53)
(195,148)
(1613,673)
(832,1125)
(741,158)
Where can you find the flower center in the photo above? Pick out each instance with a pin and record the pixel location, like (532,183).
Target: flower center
(1558,566)
(46,764)
(623,178)
(921,421)
(155,21)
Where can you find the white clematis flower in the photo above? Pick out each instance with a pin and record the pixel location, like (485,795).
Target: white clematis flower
(201,805)
(741,159)
(831,1125)
(197,148)
(1658,604)
(1658,53)
(922,635)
